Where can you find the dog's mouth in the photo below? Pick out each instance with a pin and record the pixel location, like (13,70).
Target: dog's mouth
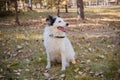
(61,28)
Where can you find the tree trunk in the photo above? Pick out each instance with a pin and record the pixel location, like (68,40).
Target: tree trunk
(16,13)
(106,2)
(30,4)
(8,5)
(80,9)
(58,8)
(97,2)
(117,2)
(23,5)
(51,4)
(66,8)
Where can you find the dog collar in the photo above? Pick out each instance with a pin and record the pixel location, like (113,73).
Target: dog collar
(61,28)
(57,36)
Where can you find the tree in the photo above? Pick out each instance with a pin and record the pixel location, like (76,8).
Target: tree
(5,7)
(80,9)
(97,2)
(117,2)
(58,8)
(65,3)
(66,8)
(16,12)
(30,4)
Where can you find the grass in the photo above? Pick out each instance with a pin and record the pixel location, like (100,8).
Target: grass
(103,10)
(23,57)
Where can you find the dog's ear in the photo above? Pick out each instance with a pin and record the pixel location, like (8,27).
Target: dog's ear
(58,16)
(50,20)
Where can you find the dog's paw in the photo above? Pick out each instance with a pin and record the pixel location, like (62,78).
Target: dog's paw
(48,67)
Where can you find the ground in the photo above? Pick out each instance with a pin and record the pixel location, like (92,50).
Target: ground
(96,41)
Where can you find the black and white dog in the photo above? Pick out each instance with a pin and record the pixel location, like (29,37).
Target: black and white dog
(58,46)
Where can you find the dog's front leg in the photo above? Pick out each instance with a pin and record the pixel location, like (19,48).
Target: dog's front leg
(63,62)
(48,61)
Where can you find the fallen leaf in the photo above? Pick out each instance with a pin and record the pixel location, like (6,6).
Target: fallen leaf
(117,74)
(27,70)
(39,59)
(18,73)
(73,62)
(20,51)
(62,75)
(101,56)
(99,74)
(14,64)
(92,73)
(77,76)
(87,69)
(88,61)
(84,75)
(1,70)
(89,49)
(82,62)
(19,47)
(2,76)
(3,44)
(0,32)
(19,70)
(76,70)
(27,60)
(80,72)
(46,75)
(41,49)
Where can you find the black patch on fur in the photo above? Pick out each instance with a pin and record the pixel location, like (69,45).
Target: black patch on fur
(50,20)
(58,16)
(54,19)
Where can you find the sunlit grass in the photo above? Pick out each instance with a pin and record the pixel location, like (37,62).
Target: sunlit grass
(99,10)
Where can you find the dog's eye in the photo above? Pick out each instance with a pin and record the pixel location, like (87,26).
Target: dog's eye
(59,21)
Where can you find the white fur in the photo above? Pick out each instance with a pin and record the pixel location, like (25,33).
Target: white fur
(58,49)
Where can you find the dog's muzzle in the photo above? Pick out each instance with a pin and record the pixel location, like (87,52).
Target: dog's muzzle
(61,28)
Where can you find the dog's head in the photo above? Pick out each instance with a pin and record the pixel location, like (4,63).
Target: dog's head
(56,21)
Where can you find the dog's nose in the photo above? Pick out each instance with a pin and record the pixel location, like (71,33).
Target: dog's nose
(67,24)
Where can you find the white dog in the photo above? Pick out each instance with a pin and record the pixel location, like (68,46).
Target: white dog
(58,46)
